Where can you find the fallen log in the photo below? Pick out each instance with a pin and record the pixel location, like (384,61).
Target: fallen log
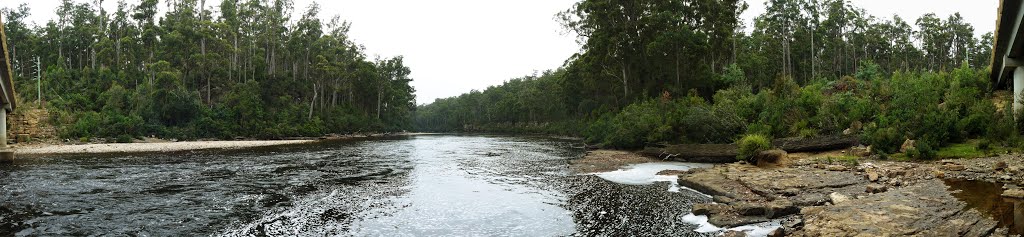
(701,153)
(821,143)
(726,153)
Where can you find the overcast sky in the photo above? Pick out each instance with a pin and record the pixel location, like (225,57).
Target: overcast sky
(453,46)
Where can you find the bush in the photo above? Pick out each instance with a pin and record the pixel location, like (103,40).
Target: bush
(752,144)
(984,145)
(921,151)
(883,140)
(124,138)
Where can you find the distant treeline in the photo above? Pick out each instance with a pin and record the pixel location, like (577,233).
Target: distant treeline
(687,71)
(241,68)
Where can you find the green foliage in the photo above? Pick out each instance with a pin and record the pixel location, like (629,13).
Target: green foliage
(123,138)
(249,72)
(921,151)
(885,140)
(752,144)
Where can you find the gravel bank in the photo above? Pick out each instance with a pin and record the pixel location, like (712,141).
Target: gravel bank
(150,147)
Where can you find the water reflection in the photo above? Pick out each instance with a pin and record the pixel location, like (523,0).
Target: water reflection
(986,198)
(429,185)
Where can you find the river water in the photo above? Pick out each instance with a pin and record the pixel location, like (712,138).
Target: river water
(417,186)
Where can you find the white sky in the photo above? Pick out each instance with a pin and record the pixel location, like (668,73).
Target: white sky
(454,46)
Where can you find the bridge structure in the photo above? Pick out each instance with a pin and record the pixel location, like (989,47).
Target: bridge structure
(1008,51)
(8,100)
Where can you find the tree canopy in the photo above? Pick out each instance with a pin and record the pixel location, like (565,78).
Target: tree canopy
(189,69)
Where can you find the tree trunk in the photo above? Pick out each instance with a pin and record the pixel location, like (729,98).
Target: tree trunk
(311,103)
(625,83)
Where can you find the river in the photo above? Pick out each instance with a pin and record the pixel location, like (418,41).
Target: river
(439,185)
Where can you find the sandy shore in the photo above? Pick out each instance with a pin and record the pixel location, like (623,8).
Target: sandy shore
(149,147)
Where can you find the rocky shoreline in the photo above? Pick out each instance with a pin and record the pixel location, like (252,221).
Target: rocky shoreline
(821,196)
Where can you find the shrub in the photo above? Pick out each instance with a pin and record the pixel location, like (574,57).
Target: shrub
(751,144)
(883,140)
(922,150)
(984,145)
(124,138)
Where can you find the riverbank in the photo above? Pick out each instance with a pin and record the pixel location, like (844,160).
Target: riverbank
(158,145)
(832,194)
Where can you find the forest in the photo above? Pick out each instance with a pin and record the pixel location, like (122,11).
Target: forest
(689,71)
(190,69)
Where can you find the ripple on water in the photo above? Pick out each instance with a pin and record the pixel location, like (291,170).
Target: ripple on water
(431,185)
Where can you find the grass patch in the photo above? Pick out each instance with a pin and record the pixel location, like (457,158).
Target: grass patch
(961,150)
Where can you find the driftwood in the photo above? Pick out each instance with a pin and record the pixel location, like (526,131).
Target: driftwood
(726,153)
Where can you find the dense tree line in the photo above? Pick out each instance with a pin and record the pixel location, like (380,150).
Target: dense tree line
(241,68)
(688,71)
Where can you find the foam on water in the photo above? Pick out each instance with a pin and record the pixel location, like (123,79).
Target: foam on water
(758,230)
(647,173)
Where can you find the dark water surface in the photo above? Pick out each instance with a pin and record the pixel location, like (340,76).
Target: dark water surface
(423,185)
(986,197)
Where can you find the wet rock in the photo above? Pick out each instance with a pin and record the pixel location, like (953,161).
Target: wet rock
(780,208)
(1013,193)
(671,172)
(750,209)
(729,220)
(872,176)
(723,199)
(778,232)
(835,168)
(954,167)
(999,166)
(923,209)
(733,233)
(907,144)
(771,158)
(838,198)
(876,188)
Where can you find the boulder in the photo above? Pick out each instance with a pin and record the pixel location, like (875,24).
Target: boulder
(907,144)
(1013,193)
(876,188)
(771,158)
(999,166)
(838,198)
(872,176)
